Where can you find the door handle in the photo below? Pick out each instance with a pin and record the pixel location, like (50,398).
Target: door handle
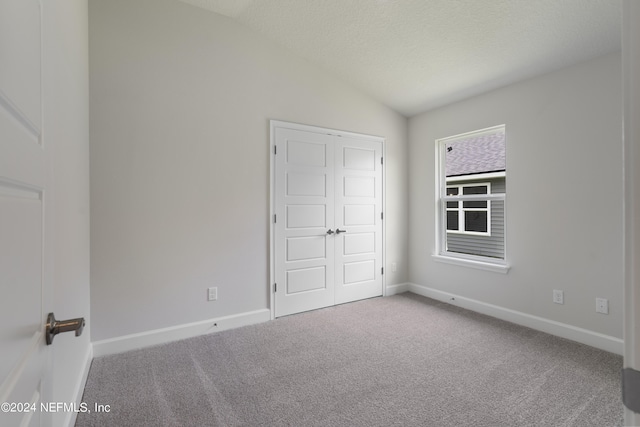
(54,327)
(338,231)
(329,231)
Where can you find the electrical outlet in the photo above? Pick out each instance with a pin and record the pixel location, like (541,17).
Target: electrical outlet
(602,305)
(394,266)
(212,294)
(558,296)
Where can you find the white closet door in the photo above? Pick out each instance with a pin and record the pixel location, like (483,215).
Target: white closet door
(304,194)
(328,228)
(358,203)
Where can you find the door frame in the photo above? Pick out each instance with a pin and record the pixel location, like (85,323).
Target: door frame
(631,176)
(278,124)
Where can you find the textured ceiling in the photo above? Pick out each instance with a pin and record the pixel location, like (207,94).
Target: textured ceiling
(414,55)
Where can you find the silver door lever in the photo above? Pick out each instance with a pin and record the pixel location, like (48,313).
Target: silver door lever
(338,231)
(329,231)
(54,327)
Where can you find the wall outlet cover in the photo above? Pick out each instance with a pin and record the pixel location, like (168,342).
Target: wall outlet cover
(602,305)
(558,296)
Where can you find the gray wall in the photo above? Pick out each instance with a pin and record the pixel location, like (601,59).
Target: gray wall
(564,195)
(180,105)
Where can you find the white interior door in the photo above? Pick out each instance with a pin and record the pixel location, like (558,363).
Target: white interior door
(328,226)
(358,213)
(24,275)
(304,252)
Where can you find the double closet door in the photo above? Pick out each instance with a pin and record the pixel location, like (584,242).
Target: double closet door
(328,219)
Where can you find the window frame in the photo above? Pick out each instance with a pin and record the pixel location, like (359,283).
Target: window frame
(441,253)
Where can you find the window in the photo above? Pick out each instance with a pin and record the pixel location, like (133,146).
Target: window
(471,213)
(469,217)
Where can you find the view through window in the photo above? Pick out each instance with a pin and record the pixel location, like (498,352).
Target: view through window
(472,189)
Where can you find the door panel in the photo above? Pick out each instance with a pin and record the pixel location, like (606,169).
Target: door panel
(304,184)
(20,265)
(309,248)
(359,243)
(359,215)
(324,182)
(306,216)
(302,153)
(359,186)
(20,70)
(306,279)
(23,183)
(358,272)
(363,159)
(304,188)
(21,243)
(358,176)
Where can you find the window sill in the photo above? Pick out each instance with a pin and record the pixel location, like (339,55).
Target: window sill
(470,233)
(480,265)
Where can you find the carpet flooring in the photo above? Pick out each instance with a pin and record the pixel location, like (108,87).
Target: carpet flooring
(403,360)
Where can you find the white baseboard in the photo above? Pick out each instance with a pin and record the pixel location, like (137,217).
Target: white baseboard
(82,382)
(584,336)
(179,332)
(396,289)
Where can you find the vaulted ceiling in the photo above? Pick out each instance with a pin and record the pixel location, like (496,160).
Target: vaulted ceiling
(414,55)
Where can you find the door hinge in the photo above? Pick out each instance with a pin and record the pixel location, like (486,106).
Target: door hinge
(275,287)
(382,270)
(275,149)
(274,218)
(381,215)
(382,160)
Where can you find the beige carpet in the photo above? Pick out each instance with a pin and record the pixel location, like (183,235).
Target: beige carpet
(397,361)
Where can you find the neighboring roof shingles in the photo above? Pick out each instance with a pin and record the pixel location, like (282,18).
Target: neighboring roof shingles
(479,154)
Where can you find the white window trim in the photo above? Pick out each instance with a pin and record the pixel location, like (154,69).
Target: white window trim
(462,210)
(441,254)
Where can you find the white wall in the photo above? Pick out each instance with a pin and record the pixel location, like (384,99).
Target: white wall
(180,105)
(66,131)
(564,195)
